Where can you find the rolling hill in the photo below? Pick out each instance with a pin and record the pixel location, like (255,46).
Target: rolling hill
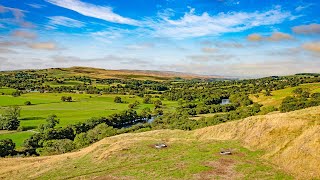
(275,146)
(119,74)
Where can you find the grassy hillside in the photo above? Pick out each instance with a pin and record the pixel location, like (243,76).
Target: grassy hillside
(132,156)
(279,95)
(277,146)
(118,74)
(290,140)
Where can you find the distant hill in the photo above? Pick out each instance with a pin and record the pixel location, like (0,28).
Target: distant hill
(283,144)
(121,74)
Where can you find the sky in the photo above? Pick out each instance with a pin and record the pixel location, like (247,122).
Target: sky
(247,38)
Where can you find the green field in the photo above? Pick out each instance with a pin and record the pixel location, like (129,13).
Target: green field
(279,95)
(6,91)
(83,107)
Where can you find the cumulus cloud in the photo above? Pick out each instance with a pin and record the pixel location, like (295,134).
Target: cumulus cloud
(278,36)
(100,12)
(24,34)
(254,37)
(43,45)
(64,21)
(193,25)
(307,29)
(312,46)
(209,50)
(275,36)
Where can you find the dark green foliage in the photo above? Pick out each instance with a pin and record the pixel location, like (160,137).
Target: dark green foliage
(52,121)
(16,93)
(6,147)
(147,99)
(117,99)
(9,119)
(27,103)
(99,132)
(53,147)
(240,99)
(66,98)
(300,101)
(157,104)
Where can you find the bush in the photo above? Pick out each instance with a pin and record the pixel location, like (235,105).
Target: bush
(60,146)
(117,99)
(66,98)
(16,94)
(6,147)
(147,99)
(27,103)
(22,128)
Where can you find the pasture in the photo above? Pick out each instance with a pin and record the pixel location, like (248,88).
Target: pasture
(83,107)
(279,95)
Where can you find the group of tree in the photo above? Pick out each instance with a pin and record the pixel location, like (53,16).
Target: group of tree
(66,98)
(302,99)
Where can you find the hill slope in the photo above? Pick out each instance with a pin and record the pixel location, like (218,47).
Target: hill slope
(290,140)
(119,74)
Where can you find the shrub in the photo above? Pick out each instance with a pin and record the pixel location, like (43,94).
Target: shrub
(27,103)
(60,146)
(16,93)
(117,99)
(6,147)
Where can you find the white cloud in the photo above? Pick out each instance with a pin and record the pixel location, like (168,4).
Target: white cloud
(300,8)
(193,25)
(91,10)
(36,6)
(64,21)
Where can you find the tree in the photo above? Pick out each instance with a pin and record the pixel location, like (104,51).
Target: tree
(147,99)
(57,146)
(157,104)
(51,120)
(6,147)
(192,112)
(66,98)
(27,103)
(268,93)
(9,120)
(117,99)
(16,93)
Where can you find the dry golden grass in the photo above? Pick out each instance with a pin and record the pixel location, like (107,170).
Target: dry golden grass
(289,140)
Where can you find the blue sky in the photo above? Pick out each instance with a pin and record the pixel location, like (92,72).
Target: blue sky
(214,37)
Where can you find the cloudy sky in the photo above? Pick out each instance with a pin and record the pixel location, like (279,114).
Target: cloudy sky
(213,37)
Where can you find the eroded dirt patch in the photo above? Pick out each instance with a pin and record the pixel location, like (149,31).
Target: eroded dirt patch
(222,168)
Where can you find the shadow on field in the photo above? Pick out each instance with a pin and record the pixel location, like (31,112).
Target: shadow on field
(32,118)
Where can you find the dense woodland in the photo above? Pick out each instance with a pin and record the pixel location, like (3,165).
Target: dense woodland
(197,96)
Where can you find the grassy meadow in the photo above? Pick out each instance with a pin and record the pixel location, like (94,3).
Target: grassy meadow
(132,156)
(83,107)
(279,95)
